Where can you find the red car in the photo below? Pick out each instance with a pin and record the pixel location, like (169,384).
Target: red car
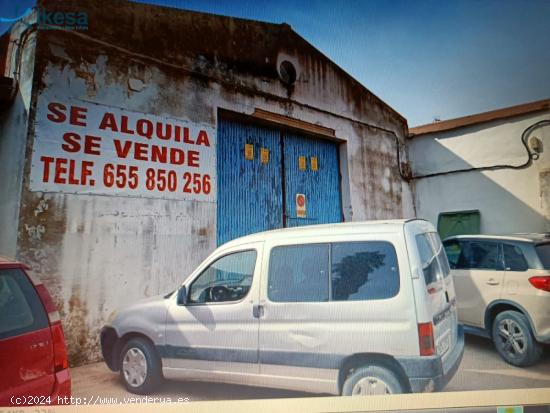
(33,356)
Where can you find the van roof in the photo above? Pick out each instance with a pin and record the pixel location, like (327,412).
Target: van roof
(391,225)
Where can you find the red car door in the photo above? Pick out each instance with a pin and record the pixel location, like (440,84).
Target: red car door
(26,345)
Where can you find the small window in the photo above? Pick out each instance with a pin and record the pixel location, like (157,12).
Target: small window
(514,259)
(21,310)
(299,273)
(458,223)
(364,271)
(228,279)
(480,255)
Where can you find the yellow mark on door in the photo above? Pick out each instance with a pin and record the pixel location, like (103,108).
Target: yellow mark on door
(249,151)
(314,165)
(302,163)
(264,155)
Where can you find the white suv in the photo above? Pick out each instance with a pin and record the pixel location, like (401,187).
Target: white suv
(354,308)
(503,288)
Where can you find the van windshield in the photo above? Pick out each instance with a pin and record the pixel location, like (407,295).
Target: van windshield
(432,255)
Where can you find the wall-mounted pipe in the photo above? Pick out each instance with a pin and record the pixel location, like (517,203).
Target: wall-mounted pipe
(531,156)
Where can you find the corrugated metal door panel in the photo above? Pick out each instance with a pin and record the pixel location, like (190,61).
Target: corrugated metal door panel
(249,191)
(321,187)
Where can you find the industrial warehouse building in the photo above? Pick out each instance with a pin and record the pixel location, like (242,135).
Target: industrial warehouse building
(136,138)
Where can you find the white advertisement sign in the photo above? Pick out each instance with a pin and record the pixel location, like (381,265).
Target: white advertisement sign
(86,148)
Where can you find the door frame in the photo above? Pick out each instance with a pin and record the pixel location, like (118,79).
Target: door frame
(283,124)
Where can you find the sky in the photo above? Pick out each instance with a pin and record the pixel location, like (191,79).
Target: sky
(427,59)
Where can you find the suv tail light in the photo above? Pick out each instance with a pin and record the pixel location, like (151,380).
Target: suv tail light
(61,361)
(426,339)
(541,282)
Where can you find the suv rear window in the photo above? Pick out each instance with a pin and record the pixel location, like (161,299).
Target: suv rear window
(514,260)
(21,310)
(543,251)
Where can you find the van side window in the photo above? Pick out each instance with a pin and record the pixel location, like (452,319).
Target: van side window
(21,310)
(514,259)
(227,279)
(364,271)
(299,273)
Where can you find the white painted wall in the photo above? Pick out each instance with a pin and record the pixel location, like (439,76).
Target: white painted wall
(509,201)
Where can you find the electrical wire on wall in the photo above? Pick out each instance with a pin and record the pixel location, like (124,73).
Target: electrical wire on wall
(531,156)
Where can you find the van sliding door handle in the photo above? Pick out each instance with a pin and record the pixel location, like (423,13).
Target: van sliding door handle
(492,281)
(258,311)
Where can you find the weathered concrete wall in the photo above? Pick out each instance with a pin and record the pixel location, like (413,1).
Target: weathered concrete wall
(17,62)
(509,201)
(96,253)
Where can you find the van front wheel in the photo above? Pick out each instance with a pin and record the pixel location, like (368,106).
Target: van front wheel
(140,366)
(371,380)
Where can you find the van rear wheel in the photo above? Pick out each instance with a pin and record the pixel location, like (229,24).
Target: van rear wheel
(372,380)
(514,339)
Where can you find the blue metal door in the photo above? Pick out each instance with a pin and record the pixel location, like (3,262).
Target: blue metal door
(260,172)
(311,169)
(249,190)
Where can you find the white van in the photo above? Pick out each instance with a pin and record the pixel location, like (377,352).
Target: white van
(352,308)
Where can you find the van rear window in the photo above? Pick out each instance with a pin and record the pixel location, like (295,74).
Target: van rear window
(364,271)
(432,255)
(543,251)
(341,271)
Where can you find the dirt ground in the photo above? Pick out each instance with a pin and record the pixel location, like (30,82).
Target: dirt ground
(481,369)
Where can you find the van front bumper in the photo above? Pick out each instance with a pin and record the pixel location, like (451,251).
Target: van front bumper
(428,374)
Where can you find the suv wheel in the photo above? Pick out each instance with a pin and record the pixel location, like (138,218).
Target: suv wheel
(371,380)
(514,339)
(140,366)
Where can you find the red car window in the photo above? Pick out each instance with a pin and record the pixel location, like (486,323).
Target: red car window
(21,310)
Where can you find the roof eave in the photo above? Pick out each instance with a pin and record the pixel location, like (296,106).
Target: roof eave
(457,123)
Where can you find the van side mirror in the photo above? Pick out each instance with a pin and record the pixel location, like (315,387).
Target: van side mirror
(182,296)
